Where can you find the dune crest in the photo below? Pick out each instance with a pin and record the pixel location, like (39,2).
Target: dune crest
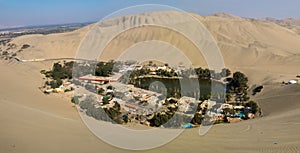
(246,45)
(266,52)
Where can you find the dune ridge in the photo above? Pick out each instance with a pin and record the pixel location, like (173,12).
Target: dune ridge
(267,52)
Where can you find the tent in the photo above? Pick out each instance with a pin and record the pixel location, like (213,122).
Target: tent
(187,126)
(292,82)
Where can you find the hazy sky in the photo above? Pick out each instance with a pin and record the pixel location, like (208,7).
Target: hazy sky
(40,12)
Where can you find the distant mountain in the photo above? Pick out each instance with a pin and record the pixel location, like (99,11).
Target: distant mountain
(224,15)
(290,23)
(283,22)
(248,45)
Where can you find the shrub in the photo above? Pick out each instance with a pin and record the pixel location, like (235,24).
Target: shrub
(197,119)
(105,100)
(253,105)
(75,99)
(110,87)
(100,91)
(56,83)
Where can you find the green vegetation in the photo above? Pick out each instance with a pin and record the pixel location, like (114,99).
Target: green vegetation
(55,83)
(64,71)
(75,99)
(105,100)
(59,71)
(197,119)
(253,105)
(159,119)
(238,87)
(110,87)
(236,93)
(100,91)
(104,69)
(106,114)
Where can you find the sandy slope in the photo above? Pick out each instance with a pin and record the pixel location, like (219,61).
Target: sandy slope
(266,52)
(33,122)
(248,45)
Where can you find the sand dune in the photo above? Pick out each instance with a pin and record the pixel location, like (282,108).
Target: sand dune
(266,52)
(33,122)
(248,45)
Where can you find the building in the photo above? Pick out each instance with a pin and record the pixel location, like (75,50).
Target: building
(226,106)
(98,79)
(132,106)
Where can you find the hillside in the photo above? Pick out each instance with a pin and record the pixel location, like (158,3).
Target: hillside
(247,45)
(267,52)
(291,23)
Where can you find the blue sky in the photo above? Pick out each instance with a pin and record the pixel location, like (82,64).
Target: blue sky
(41,12)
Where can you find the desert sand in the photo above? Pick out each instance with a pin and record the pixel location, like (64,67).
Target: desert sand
(266,52)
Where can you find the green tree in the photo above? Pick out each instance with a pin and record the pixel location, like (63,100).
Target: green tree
(253,105)
(56,83)
(75,99)
(239,82)
(159,119)
(239,86)
(225,72)
(197,119)
(110,87)
(105,100)
(100,91)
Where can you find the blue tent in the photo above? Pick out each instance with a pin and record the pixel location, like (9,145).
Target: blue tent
(187,126)
(241,114)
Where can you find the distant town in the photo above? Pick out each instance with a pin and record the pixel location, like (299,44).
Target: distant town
(40,29)
(150,94)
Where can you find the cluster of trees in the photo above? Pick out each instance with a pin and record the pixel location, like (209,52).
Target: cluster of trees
(104,69)
(166,73)
(58,73)
(161,118)
(197,119)
(169,120)
(139,72)
(200,72)
(204,73)
(238,89)
(61,71)
(98,69)
(105,114)
(253,105)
